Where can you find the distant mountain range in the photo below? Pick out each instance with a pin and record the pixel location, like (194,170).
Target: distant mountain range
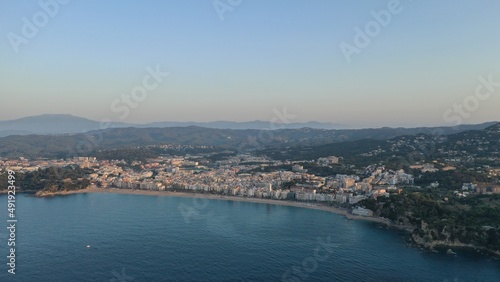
(65,123)
(462,145)
(63,145)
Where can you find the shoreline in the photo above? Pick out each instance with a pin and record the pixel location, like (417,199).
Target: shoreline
(315,206)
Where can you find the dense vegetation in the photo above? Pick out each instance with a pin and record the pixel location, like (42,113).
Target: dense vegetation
(450,179)
(468,221)
(50,179)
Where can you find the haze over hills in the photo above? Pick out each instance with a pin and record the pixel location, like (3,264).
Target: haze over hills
(479,143)
(256,124)
(66,123)
(64,145)
(49,124)
(69,124)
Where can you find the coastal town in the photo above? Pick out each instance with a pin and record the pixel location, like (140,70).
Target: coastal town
(244,176)
(441,190)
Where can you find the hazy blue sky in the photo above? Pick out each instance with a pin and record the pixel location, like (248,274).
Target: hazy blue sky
(241,63)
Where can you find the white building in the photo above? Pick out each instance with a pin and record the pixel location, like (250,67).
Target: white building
(362,211)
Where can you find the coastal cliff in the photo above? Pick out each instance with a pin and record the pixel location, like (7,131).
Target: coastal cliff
(465,223)
(479,239)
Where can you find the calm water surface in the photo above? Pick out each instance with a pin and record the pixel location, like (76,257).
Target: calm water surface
(150,238)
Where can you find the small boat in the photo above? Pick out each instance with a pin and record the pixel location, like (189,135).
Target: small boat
(88,246)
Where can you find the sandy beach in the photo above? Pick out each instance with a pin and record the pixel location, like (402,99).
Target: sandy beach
(315,206)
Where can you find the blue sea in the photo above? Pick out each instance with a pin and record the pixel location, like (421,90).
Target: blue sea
(117,237)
